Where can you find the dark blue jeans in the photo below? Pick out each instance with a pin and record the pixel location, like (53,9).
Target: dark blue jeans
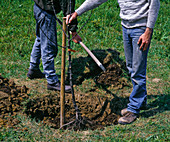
(45,46)
(136,61)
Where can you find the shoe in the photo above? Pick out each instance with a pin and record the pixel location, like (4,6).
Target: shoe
(123,111)
(128,118)
(33,74)
(57,87)
(143,107)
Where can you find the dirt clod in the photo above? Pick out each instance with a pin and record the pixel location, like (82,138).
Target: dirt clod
(11,98)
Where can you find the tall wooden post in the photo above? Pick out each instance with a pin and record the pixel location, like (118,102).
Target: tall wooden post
(62,92)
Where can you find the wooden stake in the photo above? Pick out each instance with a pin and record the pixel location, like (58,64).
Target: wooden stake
(62,92)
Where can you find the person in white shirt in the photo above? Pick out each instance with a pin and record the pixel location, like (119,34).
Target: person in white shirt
(138,20)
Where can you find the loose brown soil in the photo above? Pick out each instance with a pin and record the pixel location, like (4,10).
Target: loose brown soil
(100,110)
(11,98)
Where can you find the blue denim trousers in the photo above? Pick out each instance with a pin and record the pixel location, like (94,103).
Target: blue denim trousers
(45,46)
(136,62)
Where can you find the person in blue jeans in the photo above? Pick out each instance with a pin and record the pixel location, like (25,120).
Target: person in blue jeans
(45,46)
(138,20)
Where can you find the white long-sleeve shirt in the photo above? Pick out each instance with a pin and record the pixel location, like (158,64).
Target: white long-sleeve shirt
(134,13)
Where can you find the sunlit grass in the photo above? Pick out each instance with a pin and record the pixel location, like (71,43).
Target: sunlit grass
(103,31)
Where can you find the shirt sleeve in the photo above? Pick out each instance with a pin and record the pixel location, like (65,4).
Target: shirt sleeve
(88,5)
(153,13)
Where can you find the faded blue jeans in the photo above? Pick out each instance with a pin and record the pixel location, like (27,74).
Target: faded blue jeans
(45,46)
(136,61)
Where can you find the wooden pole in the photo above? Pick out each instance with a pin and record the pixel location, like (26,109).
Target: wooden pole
(62,92)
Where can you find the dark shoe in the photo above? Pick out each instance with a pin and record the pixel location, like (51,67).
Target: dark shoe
(57,87)
(128,118)
(33,74)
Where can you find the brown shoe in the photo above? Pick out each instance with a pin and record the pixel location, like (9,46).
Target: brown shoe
(124,111)
(128,118)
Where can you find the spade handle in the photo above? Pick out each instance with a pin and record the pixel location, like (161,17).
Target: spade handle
(92,56)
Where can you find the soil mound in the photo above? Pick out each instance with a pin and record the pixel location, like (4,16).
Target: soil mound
(100,110)
(84,68)
(11,98)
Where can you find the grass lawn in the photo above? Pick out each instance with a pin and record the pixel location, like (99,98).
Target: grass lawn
(103,31)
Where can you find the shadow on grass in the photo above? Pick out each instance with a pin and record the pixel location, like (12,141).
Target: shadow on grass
(158,104)
(85,68)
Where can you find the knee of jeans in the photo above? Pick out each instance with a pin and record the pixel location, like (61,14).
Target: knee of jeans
(139,81)
(48,58)
(138,75)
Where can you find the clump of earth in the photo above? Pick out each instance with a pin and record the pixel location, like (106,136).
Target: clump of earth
(11,98)
(100,110)
(85,68)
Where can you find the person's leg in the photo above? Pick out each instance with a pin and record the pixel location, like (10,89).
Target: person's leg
(138,75)
(48,38)
(36,51)
(128,49)
(46,44)
(34,71)
(136,64)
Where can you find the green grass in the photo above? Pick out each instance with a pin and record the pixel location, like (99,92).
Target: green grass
(103,31)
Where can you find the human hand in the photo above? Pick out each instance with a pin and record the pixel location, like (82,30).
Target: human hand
(145,39)
(71,17)
(76,37)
